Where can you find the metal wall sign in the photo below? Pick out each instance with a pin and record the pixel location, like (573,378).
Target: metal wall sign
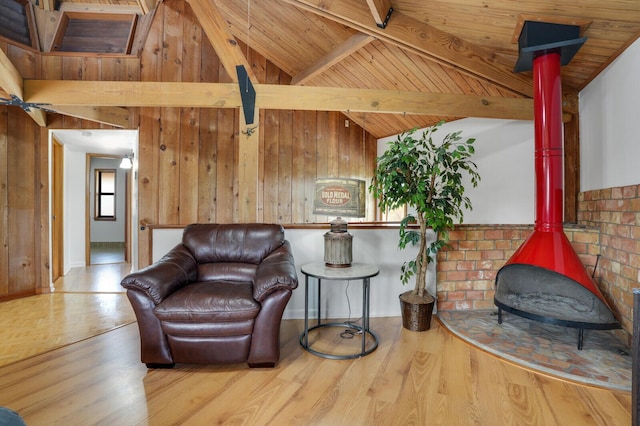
(339,197)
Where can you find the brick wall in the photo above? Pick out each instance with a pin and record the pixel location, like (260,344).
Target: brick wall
(616,213)
(466,270)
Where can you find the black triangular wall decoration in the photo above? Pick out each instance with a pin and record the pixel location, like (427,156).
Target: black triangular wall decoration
(247,94)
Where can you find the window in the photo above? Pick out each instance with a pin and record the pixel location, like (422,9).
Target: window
(395,215)
(105,203)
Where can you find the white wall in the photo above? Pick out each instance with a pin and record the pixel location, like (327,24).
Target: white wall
(74,209)
(108,230)
(609,113)
(505,159)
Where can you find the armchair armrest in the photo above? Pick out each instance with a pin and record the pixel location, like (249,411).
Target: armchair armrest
(277,271)
(159,280)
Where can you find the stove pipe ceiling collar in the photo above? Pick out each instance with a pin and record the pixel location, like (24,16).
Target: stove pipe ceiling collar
(537,38)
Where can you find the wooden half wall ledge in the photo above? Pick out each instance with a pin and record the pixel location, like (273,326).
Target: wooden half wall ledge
(144,224)
(360,225)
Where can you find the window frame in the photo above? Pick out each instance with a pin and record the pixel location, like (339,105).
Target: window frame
(99,193)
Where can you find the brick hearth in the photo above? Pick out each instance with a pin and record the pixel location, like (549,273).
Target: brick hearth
(609,226)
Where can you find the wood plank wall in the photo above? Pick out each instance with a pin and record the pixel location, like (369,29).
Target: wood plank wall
(188,157)
(21,193)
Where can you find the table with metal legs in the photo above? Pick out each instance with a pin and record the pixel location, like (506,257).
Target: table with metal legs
(357,271)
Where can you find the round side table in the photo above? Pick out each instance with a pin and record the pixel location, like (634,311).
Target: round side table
(357,271)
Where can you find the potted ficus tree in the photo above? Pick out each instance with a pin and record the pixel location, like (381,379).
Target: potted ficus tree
(427,177)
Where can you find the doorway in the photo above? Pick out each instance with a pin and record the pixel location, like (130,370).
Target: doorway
(106,210)
(75,237)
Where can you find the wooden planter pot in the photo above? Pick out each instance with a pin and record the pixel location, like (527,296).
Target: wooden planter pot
(416,311)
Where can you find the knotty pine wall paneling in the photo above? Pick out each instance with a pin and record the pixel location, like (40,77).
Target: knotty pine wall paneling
(298,151)
(170,143)
(285,165)
(4,201)
(271,129)
(310,163)
(24,152)
(187,157)
(226,200)
(21,199)
(149,135)
(207,143)
(258,65)
(190,121)
(226,194)
(43,265)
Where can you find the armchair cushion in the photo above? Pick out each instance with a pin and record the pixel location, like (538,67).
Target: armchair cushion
(209,302)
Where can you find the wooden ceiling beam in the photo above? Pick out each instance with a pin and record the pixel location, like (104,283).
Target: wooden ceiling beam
(10,79)
(221,38)
(12,83)
(48,5)
(352,44)
(380,9)
(113,116)
(123,9)
(134,93)
(146,6)
(426,40)
(227,95)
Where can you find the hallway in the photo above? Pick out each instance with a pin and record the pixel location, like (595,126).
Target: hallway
(93,279)
(101,255)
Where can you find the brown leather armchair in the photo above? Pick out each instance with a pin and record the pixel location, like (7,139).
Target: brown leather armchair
(216,298)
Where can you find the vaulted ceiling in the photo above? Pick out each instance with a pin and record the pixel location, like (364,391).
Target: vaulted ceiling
(423,62)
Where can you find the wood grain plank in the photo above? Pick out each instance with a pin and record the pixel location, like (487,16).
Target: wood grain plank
(298,168)
(189,121)
(248,164)
(42,211)
(189,162)
(71,70)
(226,160)
(208,142)
(169,166)
(271,126)
(21,172)
(169,155)
(149,135)
(336,123)
(310,142)
(4,200)
(285,166)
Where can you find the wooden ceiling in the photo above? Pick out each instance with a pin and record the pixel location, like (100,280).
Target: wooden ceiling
(427,52)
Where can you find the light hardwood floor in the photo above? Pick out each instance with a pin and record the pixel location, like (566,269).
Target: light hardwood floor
(430,378)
